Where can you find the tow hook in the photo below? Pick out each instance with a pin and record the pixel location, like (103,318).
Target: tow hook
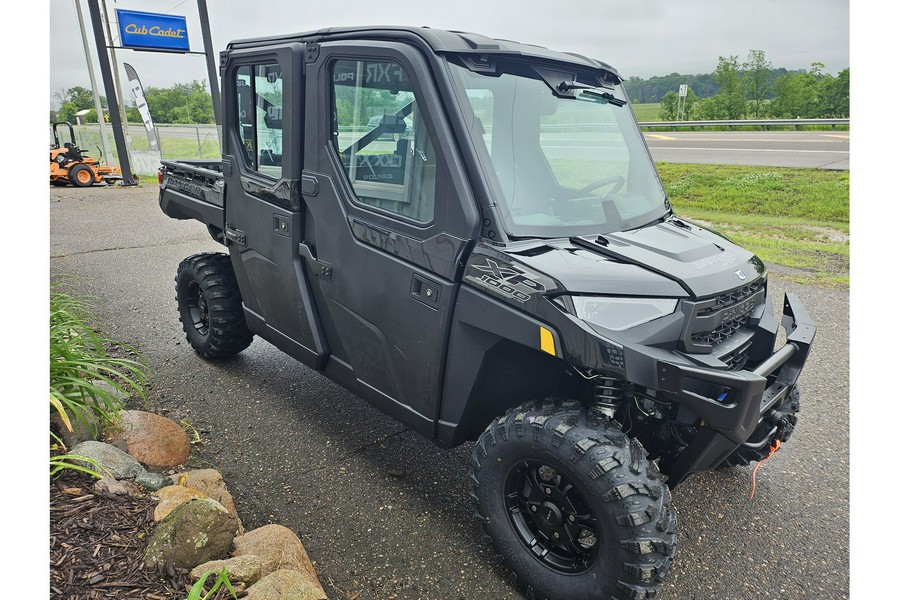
(782,423)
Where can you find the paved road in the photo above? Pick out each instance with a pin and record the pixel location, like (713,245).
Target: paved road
(810,149)
(385,513)
(807,149)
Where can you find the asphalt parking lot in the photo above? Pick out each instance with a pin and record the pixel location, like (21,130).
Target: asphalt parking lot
(383,512)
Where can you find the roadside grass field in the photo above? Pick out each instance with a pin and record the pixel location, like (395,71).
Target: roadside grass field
(174,148)
(646,112)
(797,218)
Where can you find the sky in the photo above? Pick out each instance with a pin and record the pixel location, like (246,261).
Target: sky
(638,37)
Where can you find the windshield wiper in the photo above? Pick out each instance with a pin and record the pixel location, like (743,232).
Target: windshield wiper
(605,96)
(565,86)
(590,90)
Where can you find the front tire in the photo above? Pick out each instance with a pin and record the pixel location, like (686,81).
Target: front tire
(210,306)
(81,176)
(572,504)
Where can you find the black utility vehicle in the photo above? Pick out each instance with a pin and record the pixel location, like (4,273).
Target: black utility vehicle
(505,269)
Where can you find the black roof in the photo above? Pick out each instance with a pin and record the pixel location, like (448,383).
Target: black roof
(439,40)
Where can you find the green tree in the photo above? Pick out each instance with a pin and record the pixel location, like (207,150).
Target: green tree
(730,97)
(797,95)
(709,109)
(73,100)
(372,102)
(181,103)
(834,95)
(756,80)
(668,109)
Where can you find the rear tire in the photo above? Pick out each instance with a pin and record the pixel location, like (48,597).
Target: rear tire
(81,176)
(744,456)
(210,307)
(572,504)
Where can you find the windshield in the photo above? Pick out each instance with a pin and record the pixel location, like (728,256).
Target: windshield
(560,166)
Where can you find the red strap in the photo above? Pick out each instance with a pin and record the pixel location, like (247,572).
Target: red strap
(772,450)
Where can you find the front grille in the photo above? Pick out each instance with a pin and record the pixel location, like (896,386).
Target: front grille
(737,359)
(722,332)
(711,321)
(731,298)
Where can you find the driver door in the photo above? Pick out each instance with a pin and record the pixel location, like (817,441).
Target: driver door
(389,223)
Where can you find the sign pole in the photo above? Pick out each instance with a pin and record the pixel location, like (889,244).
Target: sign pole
(90,64)
(106,75)
(682,100)
(115,69)
(211,66)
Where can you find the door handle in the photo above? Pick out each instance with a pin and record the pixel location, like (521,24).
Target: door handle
(319,268)
(425,291)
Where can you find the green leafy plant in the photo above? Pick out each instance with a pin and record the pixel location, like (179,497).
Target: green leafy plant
(195,435)
(84,377)
(198,588)
(62,462)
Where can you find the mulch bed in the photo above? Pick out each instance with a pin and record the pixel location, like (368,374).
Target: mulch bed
(97,545)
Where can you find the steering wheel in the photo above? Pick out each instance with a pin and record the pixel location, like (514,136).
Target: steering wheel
(618,180)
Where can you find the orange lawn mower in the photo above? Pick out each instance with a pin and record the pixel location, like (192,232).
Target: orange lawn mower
(71,165)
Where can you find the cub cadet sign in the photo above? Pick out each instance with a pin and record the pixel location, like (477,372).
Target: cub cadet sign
(151,31)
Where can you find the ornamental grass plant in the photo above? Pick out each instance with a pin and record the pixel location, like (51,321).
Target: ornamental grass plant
(87,382)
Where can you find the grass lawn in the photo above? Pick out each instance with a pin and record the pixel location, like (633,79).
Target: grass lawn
(797,218)
(646,112)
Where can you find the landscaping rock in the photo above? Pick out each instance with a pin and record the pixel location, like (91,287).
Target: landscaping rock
(173,496)
(83,429)
(114,461)
(210,482)
(110,485)
(196,532)
(151,481)
(285,584)
(246,569)
(279,548)
(153,440)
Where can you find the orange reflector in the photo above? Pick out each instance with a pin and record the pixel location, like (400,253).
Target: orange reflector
(547,343)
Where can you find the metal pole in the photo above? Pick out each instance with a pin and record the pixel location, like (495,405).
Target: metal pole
(90,65)
(106,74)
(115,69)
(211,65)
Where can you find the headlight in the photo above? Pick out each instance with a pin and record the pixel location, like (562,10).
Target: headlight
(619,314)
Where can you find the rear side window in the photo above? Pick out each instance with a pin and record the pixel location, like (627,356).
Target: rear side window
(259,105)
(381,138)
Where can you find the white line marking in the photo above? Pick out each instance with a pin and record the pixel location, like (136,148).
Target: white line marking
(748,150)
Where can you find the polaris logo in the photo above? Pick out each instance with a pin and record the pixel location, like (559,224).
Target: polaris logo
(740,274)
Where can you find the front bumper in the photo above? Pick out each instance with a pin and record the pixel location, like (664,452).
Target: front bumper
(743,400)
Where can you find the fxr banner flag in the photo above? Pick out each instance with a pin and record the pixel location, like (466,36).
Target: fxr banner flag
(137,92)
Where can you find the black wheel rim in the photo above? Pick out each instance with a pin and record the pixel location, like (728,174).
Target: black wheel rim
(551,517)
(197,309)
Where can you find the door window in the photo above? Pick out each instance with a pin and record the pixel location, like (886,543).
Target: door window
(383,143)
(259,104)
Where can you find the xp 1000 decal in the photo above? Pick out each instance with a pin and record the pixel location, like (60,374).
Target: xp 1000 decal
(507,280)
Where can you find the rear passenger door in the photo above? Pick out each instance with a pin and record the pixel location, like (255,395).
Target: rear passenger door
(263,210)
(389,221)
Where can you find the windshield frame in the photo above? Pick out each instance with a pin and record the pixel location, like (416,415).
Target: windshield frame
(553,74)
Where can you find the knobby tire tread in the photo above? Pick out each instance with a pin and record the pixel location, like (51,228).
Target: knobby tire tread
(228,332)
(622,477)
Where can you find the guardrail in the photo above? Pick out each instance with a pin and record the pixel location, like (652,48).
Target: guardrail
(762,124)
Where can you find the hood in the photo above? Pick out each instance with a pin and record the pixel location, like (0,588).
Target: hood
(662,260)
